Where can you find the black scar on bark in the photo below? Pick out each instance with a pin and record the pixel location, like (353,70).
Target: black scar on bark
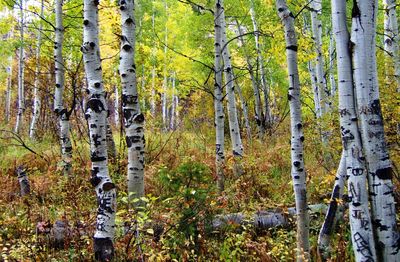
(96,105)
(132,139)
(377,223)
(108,186)
(289,97)
(128,114)
(103,249)
(384,173)
(296,163)
(139,118)
(236,153)
(127,47)
(292,47)
(95,158)
(331,214)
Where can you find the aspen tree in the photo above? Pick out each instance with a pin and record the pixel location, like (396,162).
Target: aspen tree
(36,99)
(257,99)
(21,71)
(360,220)
(133,118)
(372,132)
(297,137)
(218,98)
(9,89)
(237,146)
(59,109)
(267,120)
(391,37)
(96,114)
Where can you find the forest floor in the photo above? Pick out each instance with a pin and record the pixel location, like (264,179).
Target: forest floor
(180,194)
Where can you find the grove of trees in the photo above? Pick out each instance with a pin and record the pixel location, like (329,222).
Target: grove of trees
(217,130)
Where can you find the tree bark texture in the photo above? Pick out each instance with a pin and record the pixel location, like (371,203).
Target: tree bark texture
(297,137)
(9,90)
(368,108)
(237,146)
(62,113)
(327,229)
(391,37)
(316,27)
(218,98)
(360,220)
(21,71)
(36,101)
(133,118)
(96,113)
(259,116)
(267,121)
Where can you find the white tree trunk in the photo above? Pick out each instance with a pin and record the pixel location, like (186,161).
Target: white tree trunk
(21,69)
(372,131)
(313,77)
(332,215)
(36,102)
(267,121)
(9,90)
(332,66)
(259,117)
(153,76)
(173,105)
(316,27)
(237,146)
(360,220)
(62,113)
(391,37)
(218,98)
(164,95)
(133,118)
(297,137)
(96,113)
(245,111)
(116,107)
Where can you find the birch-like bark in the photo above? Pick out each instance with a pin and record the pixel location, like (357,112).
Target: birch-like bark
(333,212)
(391,37)
(116,107)
(245,111)
(218,98)
(36,101)
(314,86)
(9,89)
(267,121)
(173,105)
(237,146)
(62,113)
(21,71)
(133,118)
(332,58)
(164,96)
(316,27)
(112,151)
(153,76)
(360,220)
(96,113)
(259,116)
(297,137)
(368,107)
